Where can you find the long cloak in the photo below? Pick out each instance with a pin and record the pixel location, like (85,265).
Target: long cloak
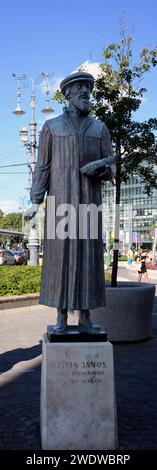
(73,269)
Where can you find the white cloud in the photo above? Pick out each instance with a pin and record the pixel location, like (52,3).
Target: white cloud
(9,205)
(91,67)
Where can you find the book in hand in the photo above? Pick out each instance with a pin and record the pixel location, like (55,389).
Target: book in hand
(99,168)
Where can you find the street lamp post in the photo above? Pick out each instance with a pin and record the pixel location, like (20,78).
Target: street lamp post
(32,145)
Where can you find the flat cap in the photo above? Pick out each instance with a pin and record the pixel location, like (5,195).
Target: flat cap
(76,77)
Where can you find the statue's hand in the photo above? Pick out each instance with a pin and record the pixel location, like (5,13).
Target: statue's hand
(89,170)
(93,170)
(102,168)
(96,173)
(30,213)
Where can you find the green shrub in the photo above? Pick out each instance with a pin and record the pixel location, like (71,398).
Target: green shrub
(15,280)
(107,276)
(122,258)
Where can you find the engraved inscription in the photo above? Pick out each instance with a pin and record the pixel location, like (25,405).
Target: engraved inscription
(88,371)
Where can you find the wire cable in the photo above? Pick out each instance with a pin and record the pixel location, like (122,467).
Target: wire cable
(14,164)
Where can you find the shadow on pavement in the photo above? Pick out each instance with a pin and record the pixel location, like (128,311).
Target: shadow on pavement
(20,411)
(10,358)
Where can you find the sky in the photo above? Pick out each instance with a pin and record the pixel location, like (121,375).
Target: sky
(56,37)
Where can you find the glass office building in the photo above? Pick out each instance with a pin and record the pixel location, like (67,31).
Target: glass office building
(137,214)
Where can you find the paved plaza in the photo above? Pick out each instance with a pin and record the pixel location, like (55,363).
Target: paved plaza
(20,361)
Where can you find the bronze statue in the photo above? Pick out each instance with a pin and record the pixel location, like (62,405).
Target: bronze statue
(69,168)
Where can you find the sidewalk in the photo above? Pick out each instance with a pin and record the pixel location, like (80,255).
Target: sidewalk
(20,360)
(125,274)
(132,269)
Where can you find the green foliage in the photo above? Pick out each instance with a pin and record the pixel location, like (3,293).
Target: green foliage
(123,258)
(58,96)
(118,94)
(15,280)
(107,276)
(1,213)
(11,221)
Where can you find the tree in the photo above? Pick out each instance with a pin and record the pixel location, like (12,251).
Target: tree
(118,95)
(1,213)
(12,221)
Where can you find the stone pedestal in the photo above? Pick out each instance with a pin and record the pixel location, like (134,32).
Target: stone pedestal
(78,408)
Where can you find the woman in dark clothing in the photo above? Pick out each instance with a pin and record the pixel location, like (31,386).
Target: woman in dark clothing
(143,269)
(138,266)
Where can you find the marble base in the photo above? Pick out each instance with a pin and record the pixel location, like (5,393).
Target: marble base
(78,408)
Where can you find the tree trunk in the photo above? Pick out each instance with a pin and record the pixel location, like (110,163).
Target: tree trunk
(116,228)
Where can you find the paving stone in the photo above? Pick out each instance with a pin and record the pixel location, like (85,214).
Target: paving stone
(136,383)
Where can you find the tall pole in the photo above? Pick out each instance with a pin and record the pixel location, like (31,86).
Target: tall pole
(33,238)
(33,125)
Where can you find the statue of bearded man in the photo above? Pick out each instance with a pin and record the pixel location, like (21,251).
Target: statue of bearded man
(71,149)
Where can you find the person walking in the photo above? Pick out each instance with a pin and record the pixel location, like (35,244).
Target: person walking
(141,266)
(138,267)
(143,258)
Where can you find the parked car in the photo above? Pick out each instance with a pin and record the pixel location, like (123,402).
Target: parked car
(19,257)
(6,257)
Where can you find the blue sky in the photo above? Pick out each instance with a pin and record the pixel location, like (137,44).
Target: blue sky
(57,36)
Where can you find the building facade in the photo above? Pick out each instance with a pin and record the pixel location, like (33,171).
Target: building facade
(137,214)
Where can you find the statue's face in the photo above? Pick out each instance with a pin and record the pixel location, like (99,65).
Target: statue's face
(79,96)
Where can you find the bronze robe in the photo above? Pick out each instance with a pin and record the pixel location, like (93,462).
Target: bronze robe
(73,269)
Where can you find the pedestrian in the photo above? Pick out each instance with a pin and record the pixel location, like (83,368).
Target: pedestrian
(130,258)
(138,267)
(143,257)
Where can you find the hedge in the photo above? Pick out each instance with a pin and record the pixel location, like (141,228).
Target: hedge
(16,280)
(122,258)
